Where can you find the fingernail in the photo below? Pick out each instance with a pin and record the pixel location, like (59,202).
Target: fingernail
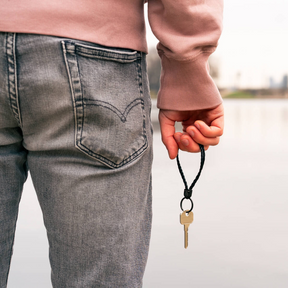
(197,126)
(185,142)
(177,138)
(191,133)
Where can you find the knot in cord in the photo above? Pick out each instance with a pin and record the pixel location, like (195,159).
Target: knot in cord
(188,190)
(187,193)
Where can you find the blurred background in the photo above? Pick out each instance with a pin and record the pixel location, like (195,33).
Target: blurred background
(251,59)
(240,231)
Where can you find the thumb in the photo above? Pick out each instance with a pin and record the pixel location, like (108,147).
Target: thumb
(167,133)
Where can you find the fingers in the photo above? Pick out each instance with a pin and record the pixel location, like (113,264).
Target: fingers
(167,133)
(195,132)
(205,134)
(215,130)
(198,137)
(175,141)
(186,143)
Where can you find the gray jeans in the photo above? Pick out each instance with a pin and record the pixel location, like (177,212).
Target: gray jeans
(77,116)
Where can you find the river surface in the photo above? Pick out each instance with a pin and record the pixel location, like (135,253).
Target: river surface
(240,231)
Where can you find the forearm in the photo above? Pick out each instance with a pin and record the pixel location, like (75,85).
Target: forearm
(188,32)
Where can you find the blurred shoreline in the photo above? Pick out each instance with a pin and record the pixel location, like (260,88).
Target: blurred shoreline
(262,93)
(275,99)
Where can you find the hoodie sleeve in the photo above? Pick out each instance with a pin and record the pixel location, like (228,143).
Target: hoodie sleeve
(188,32)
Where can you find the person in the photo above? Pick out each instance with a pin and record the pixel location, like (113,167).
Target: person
(75,112)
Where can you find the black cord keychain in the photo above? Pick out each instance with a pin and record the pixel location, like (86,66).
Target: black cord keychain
(186,218)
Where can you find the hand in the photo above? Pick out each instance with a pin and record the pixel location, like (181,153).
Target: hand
(199,127)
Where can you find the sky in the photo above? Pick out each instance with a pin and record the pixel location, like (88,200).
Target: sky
(254,43)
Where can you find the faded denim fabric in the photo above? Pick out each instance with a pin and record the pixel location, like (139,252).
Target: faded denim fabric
(77,116)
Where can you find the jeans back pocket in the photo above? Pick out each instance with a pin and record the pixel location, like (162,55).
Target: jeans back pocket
(107,93)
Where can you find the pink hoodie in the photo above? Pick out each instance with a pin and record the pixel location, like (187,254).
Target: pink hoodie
(188,31)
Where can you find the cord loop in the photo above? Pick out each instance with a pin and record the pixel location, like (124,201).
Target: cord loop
(188,190)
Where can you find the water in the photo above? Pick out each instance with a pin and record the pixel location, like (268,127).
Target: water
(240,231)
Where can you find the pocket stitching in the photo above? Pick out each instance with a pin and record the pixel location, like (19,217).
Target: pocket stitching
(79,113)
(122,116)
(106,54)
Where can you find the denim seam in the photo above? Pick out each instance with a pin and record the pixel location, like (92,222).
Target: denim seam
(109,162)
(12,76)
(125,60)
(106,50)
(107,54)
(71,81)
(77,95)
(140,87)
(100,53)
(122,116)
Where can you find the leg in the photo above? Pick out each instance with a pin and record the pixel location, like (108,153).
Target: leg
(87,127)
(13,170)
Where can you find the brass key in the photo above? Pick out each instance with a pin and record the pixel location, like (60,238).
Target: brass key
(186,219)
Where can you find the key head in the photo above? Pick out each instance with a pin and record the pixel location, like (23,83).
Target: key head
(186,218)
